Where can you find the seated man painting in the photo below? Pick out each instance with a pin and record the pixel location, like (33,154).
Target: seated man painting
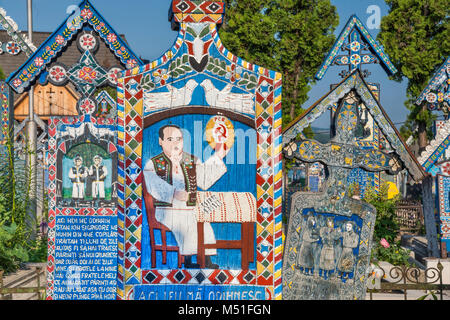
(172,178)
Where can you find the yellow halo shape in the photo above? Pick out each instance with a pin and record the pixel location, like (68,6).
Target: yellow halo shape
(220,130)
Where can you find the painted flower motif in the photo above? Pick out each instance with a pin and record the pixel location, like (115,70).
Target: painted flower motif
(355,46)
(113,75)
(17,83)
(49,50)
(431,97)
(12,48)
(57,73)
(111,38)
(355,59)
(86,14)
(446,168)
(233,73)
(384,243)
(87,106)
(39,62)
(88,42)
(87,74)
(99,26)
(161,76)
(59,39)
(366,59)
(131,63)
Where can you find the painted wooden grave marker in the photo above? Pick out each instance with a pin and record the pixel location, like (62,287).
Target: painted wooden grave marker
(329,238)
(436,158)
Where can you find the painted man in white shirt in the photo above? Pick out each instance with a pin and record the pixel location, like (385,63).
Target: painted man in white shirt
(172,178)
(98,173)
(78,174)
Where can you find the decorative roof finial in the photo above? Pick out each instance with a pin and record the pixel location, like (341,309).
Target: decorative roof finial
(196,11)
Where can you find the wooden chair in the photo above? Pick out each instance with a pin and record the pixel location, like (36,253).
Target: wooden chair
(153,225)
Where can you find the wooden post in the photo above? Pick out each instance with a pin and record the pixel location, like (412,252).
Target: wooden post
(430,221)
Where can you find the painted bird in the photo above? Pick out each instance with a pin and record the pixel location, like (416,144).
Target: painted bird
(240,102)
(174,98)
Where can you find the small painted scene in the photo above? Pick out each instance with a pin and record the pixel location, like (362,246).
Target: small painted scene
(87,173)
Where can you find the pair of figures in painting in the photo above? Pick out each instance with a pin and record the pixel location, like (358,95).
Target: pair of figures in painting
(319,247)
(81,175)
(171,179)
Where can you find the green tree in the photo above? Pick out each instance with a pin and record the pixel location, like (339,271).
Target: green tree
(289,36)
(415,36)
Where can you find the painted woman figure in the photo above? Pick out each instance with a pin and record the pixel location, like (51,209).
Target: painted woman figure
(309,237)
(349,242)
(329,236)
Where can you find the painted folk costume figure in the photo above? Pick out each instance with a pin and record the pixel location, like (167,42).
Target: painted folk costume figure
(98,173)
(349,242)
(309,237)
(327,262)
(78,175)
(172,178)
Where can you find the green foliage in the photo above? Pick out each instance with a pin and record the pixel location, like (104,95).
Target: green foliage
(288,36)
(415,36)
(386,227)
(395,254)
(16,245)
(11,252)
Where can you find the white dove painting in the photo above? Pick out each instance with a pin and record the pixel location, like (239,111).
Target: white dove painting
(175,97)
(238,102)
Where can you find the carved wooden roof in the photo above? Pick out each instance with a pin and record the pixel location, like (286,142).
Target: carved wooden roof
(355,81)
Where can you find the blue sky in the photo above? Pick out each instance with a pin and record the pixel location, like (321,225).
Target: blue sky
(147,30)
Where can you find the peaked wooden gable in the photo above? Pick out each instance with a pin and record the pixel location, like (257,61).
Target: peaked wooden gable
(361,48)
(355,81)
(437,90)
(59,40)
(19,42)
